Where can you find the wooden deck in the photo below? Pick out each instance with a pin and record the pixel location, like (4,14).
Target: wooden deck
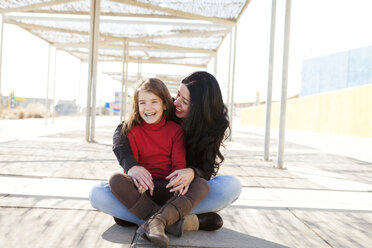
(319,200)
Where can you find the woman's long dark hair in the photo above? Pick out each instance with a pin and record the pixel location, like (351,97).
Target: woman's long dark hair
(206,123)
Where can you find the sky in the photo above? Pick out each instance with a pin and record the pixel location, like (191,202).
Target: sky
(318,27)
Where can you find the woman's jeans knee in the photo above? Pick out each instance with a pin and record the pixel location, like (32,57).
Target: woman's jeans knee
(103,200)
(224,190)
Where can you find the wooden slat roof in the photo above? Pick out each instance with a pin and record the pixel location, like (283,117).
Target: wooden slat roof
(185,32)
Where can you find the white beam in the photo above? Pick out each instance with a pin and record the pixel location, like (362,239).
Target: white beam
(247,2)
(178,13)
(92,71)
(270,82)
(126,77)
(35,6)
(195,33)
(46,28)
(139,69)
(1,49)
(215,65)
(171,47)
(78,99)
(283,101)
(151,46)
(229,78)
(54,82)
(47,88)
(114,19)
(121,116)
(234,33)
(181,34)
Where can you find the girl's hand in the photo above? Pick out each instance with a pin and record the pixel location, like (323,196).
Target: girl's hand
(180,180)
(141,178)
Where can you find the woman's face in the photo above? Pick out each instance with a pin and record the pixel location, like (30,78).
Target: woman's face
(182,102)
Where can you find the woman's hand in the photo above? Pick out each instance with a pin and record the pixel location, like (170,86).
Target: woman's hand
(142,179)
(180,180)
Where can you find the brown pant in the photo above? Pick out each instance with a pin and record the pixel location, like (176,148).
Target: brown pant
(144,205)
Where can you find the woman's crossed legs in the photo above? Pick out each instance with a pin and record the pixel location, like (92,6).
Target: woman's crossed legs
(224,190)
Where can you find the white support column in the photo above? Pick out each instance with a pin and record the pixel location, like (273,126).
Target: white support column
(139,69)
(283,101)
(234,33)
(92,71)
(229,75)
(54,82)
(123,82)
(270,82)
(47,88)
(78,100)
(126,77)
(1,50)
(121,116)
(215,65)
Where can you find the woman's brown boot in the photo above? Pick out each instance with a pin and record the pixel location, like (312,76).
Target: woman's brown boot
(209,221)
(124,223)
(193,222)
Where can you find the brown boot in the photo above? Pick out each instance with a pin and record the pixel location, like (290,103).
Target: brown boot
(154,228)
(175,209)
(123,188)
(209,221)
(193,222)
(124,223)
(177,228)
(198,189)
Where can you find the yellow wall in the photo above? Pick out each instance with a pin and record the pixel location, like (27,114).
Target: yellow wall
(346,112)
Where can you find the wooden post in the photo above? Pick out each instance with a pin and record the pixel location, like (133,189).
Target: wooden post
(92,71)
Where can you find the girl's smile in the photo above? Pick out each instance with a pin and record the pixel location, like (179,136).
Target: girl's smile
(150,107)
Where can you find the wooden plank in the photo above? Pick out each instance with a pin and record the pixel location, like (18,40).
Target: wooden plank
(35,6)
(103,14)
(179,48)
(185,34)
(151,46)
(154,61)
(114,58)
(243,9)
(41,27)
(178,13)
(143,40)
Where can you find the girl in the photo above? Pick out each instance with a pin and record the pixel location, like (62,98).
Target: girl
(157,144)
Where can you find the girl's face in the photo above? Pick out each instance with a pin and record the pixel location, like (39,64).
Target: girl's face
(150,107)
(182,102)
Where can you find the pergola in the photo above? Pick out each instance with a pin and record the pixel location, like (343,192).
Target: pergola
(172,81)
(181,32)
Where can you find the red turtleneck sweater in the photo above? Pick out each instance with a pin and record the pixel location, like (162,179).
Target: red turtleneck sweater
(158,147)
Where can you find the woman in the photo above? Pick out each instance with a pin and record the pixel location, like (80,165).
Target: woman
(203,116)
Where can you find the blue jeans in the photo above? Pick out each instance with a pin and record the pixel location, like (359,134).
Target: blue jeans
(224,190)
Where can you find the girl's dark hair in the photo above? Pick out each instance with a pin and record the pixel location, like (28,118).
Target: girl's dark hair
(206,123)
(158,88)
